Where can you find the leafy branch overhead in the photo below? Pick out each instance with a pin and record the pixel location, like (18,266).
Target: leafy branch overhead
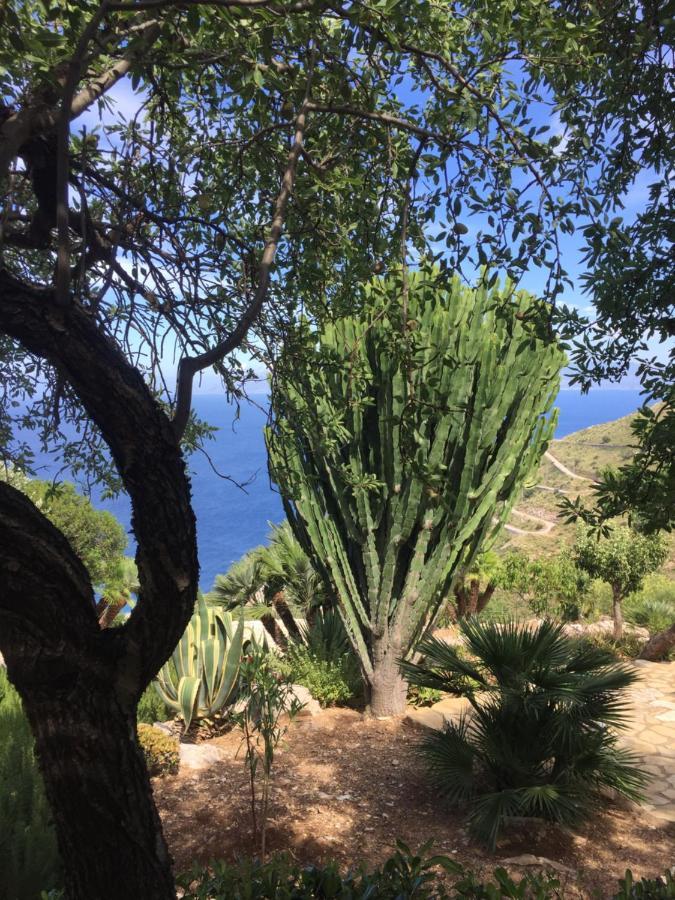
(171,206)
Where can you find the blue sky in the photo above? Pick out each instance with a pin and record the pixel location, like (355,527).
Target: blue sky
(127,103)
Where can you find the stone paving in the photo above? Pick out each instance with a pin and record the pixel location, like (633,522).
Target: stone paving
(650,732)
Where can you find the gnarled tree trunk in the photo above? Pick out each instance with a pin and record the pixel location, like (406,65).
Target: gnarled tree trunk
(79,683)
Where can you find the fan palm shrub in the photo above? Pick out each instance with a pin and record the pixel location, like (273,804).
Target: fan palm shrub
(540,739)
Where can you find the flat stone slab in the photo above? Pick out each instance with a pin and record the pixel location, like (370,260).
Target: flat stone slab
(199,756)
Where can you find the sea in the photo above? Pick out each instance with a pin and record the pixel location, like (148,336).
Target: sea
(234,501)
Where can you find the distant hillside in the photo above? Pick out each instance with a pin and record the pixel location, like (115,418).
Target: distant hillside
(584,454)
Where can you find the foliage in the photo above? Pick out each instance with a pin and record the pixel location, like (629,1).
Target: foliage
(94,534)
(550,586)
(403,875)
(272,578)
(540,740)
(423,696)
(623,559)
(267,697)
(151,708)
(646,888)
(627,647)
(161,750)
(201,676)
(654,606)
(475,586)
(323,661)
(398,444)
(29,859)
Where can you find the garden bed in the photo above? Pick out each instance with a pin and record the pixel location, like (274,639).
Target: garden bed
(347,786)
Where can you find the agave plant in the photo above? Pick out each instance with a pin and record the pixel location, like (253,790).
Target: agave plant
(201,675)
(540,739)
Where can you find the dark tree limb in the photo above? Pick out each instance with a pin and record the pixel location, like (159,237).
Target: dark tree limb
(146,453)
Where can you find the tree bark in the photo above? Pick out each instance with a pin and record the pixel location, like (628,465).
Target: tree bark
(109,832)
(388,690)
(658,646)
(617,613)
(80,684)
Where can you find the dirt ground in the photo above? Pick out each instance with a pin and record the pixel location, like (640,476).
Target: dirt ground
(346,787)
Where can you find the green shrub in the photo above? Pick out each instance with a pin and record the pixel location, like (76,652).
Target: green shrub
(423,696)
(29,860)
(654,606)
(324,662)
(540,740)
(403,875)
(628,647)
(161,751)
(151,707)
(646,888)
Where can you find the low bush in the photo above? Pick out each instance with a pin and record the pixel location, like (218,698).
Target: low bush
(161,750)
(628,647)
(647,888)
(654,606)
(324,662)
(29,859)
(151,707)
(540,740)
(423,696)
(404,876)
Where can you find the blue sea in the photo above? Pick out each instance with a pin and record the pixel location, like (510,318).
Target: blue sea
(232,519)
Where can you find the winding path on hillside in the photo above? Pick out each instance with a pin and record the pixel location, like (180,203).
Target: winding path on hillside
(563,468)
(546,525)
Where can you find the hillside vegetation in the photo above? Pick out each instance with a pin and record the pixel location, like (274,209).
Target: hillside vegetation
(585,453)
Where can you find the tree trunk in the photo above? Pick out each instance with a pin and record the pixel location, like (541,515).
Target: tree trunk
(617,613)
(98,788)
(473,596)
(388,689)
(484,598)
(657,647)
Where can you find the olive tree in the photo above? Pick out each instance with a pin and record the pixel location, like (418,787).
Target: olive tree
(623,559)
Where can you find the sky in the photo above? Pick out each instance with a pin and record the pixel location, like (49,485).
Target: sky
(127,102)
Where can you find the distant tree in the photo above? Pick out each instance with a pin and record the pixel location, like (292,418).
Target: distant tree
(400,439)
(622,559)
(475,586)
(95,535)
(549,586)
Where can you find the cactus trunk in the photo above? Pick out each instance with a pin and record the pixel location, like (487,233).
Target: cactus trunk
(400,447)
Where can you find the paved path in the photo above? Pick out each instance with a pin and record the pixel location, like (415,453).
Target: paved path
(650,732)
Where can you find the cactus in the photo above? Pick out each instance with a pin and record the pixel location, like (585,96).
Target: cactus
(399,448)
(201,675)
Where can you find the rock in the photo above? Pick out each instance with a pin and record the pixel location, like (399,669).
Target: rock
(425,717)
(529,859)
(199,756)
(311,707)
(604,626)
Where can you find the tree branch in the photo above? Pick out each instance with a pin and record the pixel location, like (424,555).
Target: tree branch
(190,365)
(147,456)
(35,119)
(47,598)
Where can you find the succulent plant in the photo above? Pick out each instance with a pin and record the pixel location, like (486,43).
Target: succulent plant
(201,675)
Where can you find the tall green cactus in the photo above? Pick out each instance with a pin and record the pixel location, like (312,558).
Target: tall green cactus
(202,673)
(400,447)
